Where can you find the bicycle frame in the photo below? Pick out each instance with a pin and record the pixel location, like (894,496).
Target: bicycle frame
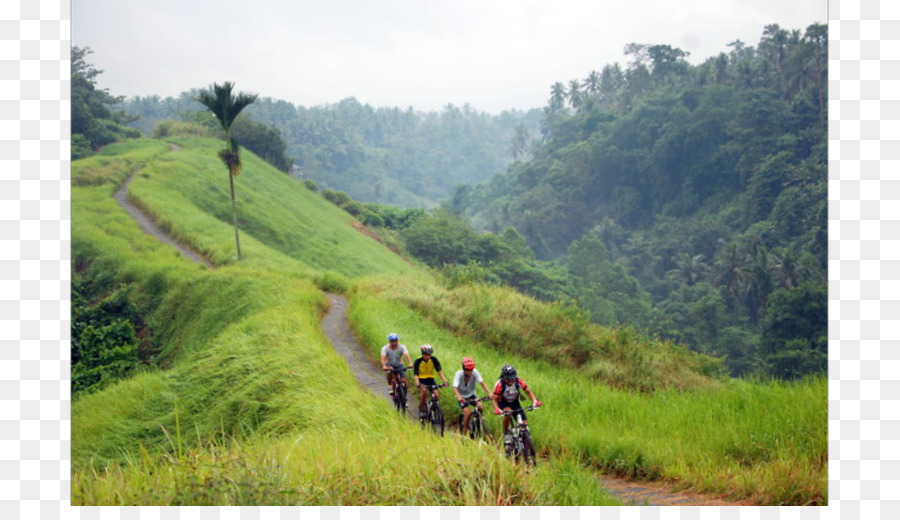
(522,446)
(474,416)
(398,381)
(398,373)
(433,412)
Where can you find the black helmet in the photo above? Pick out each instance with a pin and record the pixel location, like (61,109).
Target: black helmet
(508,371)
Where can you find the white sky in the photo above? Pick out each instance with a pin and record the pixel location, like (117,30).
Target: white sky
(493,54)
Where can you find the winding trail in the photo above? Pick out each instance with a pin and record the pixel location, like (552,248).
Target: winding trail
(150,227)
(338,332)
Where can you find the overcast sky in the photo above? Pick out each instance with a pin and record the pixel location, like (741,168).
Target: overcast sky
(492,54)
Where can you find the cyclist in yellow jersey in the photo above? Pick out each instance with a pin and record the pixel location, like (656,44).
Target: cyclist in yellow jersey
(424,369)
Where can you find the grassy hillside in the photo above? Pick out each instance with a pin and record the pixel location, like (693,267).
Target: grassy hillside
(246,402)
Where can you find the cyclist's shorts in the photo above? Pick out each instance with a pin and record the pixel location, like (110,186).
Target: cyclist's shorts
(516,408)
(470,401)
(401,373)
(425,381)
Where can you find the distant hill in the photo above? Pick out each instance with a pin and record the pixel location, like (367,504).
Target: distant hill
(689,201)
(384,155)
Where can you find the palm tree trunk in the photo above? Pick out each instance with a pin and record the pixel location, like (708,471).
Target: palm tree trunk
(237,239)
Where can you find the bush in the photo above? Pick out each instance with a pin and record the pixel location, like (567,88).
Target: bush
(81,147)
(338,198)
(332,282)
(105,354)
(104,338)
(169,128)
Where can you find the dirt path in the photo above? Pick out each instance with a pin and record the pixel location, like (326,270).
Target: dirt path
(338,332)
(148,226)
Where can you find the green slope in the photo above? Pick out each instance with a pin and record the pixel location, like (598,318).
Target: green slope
(257,319)
(187,189)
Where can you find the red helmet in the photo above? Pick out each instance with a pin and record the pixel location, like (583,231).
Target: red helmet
(468,363)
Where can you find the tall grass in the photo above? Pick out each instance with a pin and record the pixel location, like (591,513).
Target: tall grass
(762,441)
(558,333)
(388,465)
(115,162)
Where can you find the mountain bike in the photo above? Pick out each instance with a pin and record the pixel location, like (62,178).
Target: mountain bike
(477,427)
(398,386)
(434,415)
(520,446)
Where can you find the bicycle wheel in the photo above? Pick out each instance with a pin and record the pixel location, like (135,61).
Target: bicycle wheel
(400,398)
(528,453)
(471,430)
(476,423)
(437,419)
(509,448)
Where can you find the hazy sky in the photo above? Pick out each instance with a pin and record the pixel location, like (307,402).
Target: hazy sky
(493,54)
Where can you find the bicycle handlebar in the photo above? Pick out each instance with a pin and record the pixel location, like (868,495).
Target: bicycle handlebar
(530,408)
(465,403)
(396,369)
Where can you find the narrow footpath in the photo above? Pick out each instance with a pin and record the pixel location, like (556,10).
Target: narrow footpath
(338,332)
(150,227)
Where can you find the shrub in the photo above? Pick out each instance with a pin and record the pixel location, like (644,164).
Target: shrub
(169,128)
(330,281)
(105,354)
(81,147)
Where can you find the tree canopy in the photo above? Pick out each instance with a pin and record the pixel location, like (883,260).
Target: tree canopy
(686,200)
(94,122)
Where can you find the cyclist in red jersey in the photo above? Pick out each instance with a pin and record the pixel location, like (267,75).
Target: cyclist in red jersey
(507,393)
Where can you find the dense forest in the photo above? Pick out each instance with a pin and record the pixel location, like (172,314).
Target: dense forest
(95,122)
(688,201)
(684,201)
(381,155)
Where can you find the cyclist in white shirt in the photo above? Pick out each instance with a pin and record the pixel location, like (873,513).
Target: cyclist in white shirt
(464,387)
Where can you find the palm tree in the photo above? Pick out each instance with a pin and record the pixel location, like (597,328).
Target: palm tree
(689,269)
(226,107)
(612,82)
(557,96)
(574,94)
(521,140)
(592,83)
(760,280)
(732,269)
(807,66)
(721,66)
